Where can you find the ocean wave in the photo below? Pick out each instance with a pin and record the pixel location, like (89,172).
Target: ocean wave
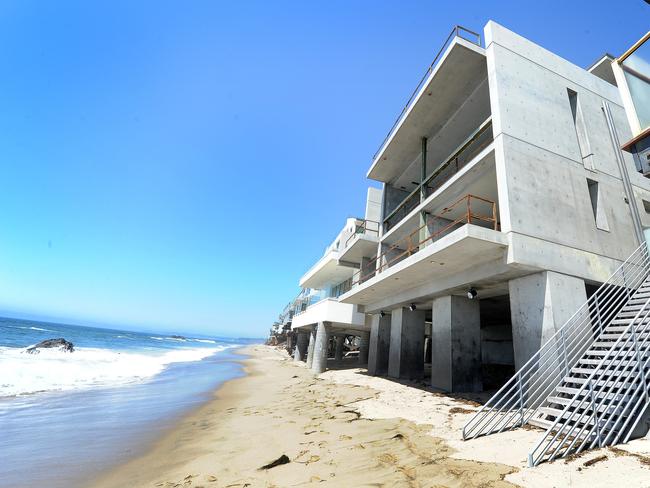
(52,369)
(207,341)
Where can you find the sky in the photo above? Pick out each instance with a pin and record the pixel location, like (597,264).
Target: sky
(177,166)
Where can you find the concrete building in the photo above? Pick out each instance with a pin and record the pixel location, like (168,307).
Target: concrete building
(506,201)
(322,318)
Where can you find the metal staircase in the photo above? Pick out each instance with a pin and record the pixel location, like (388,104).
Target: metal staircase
(588,385)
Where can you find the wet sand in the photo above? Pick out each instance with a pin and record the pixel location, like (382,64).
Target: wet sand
(345,428)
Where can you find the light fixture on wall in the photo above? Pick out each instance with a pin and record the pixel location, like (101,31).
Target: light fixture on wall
(472,293)
(412,307)
(382,314)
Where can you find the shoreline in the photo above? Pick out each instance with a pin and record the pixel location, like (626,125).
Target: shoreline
(345,428)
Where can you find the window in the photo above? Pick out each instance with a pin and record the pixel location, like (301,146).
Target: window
(581,130)
(596,205)
(646,206)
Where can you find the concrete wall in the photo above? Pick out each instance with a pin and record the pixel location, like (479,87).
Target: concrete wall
(373,204)
(540,304)
(541,175)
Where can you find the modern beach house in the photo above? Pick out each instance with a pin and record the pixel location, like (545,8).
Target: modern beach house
(322,316)
(510,251)
(503,208)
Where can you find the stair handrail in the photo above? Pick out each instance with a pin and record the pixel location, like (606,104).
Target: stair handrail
(607,364)
(511,406)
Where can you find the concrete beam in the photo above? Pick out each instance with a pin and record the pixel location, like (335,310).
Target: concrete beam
(456,341)
(406,355)
(379,345)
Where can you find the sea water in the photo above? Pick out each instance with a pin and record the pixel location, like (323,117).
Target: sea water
(66,417)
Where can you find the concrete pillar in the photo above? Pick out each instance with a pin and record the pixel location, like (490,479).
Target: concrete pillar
(456,344)
(406,355)
(321,342)
(540,304)
(302,343)
(379,344)
(310,347)
(364,344)
(338,354)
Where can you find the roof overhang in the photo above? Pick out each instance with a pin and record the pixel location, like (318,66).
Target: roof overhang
(461,70)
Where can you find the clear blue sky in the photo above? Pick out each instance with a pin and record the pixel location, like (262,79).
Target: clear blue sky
(178,165)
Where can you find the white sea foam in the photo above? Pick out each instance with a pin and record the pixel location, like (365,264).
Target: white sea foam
(38,328)
(52,369)
(207,341)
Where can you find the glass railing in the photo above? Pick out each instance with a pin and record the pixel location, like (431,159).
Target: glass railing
(478,140)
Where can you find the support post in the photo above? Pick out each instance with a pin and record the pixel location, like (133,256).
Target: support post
(364,345)
(310,347)
(340,342)
(302,343)
(406,355)
(321,342)
(379,344)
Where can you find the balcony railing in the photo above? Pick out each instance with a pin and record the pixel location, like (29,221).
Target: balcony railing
(463,154)
(470,209)
(457,31)
(369,227)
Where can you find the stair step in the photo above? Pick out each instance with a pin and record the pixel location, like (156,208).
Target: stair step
(540,422)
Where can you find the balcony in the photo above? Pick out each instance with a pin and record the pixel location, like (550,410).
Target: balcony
(468,210)
(460,157)
(330,310)
(362,243)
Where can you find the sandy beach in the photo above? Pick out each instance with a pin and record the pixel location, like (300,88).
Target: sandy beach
(345,428)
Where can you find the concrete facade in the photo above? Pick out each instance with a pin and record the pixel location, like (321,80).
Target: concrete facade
(541,303)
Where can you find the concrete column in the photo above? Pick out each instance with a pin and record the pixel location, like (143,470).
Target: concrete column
(406,355)
(338,354)
(302,343)
(310,347)
(456,344)
(379,344)
(364,344)
(321,342)
(539,305)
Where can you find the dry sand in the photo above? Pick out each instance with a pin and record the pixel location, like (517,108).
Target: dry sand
(347,429)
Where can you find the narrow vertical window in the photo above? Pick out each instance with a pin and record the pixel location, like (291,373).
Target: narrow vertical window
(596,205)
(581,130)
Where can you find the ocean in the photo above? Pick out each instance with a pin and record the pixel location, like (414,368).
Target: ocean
(67,416)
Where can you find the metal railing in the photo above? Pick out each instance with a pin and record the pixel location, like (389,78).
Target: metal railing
(478,140)
(610,403)
(457,31)
(461,212)
(363,227)
(522,396)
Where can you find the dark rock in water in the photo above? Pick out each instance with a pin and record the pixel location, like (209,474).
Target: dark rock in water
(61,343)
(178,337)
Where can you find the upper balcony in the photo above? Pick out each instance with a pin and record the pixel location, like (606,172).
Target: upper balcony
(362,243)
(444,125)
